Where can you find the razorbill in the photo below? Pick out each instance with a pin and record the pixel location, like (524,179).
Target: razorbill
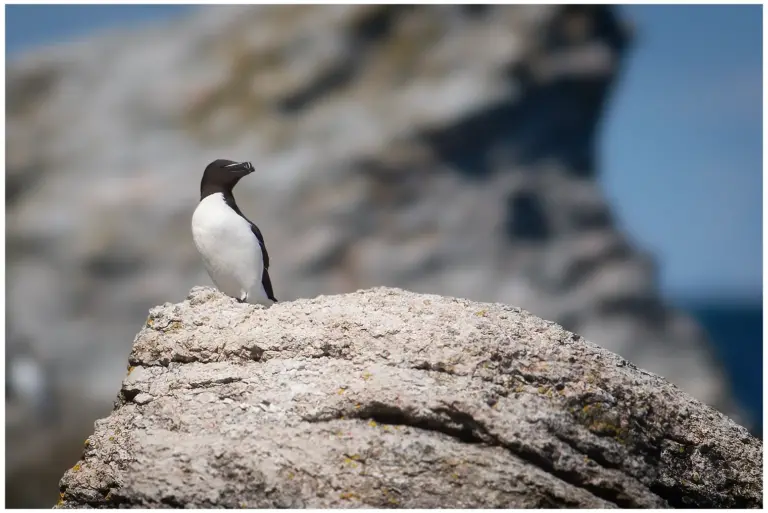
(232,247)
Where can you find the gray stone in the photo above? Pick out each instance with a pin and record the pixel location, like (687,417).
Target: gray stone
(384,398)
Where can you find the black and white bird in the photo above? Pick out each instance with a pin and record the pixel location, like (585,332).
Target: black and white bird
(232,247)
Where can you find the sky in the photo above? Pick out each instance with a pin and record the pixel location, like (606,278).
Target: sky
(681,143)
(681,150)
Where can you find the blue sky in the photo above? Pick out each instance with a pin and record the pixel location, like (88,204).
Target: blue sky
(681,146)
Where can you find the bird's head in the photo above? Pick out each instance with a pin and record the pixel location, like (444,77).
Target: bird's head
(224,174)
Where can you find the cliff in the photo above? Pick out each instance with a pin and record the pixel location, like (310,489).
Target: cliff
(385,398)
(443,149)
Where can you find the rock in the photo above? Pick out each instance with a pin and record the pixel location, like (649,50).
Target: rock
(384,398)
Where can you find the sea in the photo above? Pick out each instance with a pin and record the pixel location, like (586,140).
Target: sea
(736,330)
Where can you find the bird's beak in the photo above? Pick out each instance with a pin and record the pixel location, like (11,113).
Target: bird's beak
(246,167)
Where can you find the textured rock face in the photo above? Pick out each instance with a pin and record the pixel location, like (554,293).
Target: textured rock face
(443,149)
(389,398)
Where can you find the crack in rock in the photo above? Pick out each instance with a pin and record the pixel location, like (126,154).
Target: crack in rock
(462,426)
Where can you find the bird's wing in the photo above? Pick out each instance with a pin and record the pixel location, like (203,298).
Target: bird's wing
(264,254)
(267,284)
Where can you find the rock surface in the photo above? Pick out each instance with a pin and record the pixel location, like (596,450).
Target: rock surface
(385,398)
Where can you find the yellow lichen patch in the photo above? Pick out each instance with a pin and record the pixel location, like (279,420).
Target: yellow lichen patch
(603,427)
(86,443)
(76,468)
(150,321)
(348,496)
(622,436)
(591,407)
(372,423)
(340,391)
(393,501)
(291,475)
(367,376)
(61,499)
(130,369)
(357,406)
(482,313)
(542,390)
(111,438)
(350,462)
(175,325)
(455,475)
(385,428)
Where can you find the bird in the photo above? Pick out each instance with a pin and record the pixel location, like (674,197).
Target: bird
(232,247)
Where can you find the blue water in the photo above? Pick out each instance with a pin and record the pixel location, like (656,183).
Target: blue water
(737,333)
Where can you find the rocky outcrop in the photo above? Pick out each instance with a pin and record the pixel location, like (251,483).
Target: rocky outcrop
(385,398)
(442,149)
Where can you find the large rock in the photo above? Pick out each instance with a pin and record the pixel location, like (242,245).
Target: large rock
(390,398)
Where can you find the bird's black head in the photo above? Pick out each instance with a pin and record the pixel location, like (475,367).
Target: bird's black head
(222,175)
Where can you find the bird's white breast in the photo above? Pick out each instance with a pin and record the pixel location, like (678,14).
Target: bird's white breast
(231,252)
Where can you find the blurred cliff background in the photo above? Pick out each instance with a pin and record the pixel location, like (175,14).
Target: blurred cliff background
(597,166)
